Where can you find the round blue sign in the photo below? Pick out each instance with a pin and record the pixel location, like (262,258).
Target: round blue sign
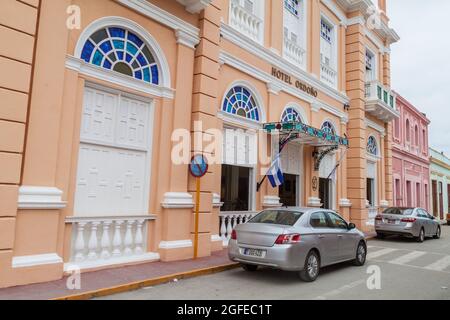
(198,166)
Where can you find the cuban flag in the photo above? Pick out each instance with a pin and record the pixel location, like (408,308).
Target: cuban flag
(275,174)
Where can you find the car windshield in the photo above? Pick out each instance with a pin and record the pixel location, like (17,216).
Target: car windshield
(281,217)
(399,211)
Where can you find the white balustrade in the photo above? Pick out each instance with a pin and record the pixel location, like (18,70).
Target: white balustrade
(101,241)
(246,22)
(372,213)
(328,75)
(228,221)
(294,52)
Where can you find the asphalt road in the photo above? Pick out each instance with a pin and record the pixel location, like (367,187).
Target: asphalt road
(407,269)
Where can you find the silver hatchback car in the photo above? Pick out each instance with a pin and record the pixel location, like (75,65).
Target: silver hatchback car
(409,222)
(297,239)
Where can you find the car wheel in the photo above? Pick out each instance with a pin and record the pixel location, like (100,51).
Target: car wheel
(361,255)
(380,235)
(421,237)
(249,267)
(312,267)
(438,233)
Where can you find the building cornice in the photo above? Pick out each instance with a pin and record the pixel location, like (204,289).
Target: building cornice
(277,61)
(439,163)
(195,6)
(405,154)
(371,124)
(164,17)
(86,69)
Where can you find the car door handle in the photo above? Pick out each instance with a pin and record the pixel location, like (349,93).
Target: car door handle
(321,236)
(340,236)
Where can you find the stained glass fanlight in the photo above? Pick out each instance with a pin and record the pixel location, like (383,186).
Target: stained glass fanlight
(328,128)
(240,101)
(372,146)
(121,50)
(290,115)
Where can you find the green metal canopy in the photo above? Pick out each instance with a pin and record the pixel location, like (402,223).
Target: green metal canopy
(306,134)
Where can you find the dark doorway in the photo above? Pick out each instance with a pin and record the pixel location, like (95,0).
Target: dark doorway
(448,197)
(370,191)
(288,191)
(441,200)
(235,189)
(434,194)
(325,193)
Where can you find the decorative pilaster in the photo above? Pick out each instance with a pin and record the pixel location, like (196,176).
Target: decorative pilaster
(356,155)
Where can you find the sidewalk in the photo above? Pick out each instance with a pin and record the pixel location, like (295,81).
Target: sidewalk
(122,279)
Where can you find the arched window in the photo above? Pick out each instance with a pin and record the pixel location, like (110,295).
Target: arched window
(416,135)
(328,127)
(240,101)
(291,115)
(372,146)
(408,131)
(120,50)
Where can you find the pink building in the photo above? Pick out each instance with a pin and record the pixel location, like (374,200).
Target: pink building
(411,164)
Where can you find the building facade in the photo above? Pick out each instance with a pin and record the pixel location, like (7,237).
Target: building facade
(98,174)
(411,163)
(440,185)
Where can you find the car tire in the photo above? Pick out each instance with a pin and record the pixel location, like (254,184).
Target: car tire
(421,237)
(311,269)
(380,235)
(438,233)
(249,267)
(361,255)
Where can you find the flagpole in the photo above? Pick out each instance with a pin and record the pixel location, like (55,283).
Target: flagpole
(338,164)
(283,144)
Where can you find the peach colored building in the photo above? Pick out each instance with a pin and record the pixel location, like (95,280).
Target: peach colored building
(92,92)
(411,158)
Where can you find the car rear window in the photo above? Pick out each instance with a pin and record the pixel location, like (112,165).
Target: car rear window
(281,217)
(399,211)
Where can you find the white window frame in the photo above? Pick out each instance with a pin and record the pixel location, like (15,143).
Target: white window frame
(375,66)
(303,43)
(149,146)
(334,41)
(252,166)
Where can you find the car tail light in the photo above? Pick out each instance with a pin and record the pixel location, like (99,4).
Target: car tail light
(409,220)
(233,235)
(288,239)
(378,218)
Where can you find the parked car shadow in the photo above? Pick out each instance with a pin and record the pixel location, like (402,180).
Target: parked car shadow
(282,278)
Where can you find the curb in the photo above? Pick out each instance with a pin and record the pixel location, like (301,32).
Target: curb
(147,283)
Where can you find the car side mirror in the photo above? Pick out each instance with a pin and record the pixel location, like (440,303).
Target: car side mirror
(351,226)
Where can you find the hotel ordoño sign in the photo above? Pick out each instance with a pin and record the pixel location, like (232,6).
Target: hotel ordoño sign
(297,83)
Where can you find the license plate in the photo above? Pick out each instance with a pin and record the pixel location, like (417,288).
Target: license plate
(394,221)
(254,252)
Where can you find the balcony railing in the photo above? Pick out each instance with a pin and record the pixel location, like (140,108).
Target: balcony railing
(100,241)
(328,75)
(228,221)
(381,101)
(246,22)
(294,52)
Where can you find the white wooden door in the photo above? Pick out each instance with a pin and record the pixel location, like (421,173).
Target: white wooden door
(113,163)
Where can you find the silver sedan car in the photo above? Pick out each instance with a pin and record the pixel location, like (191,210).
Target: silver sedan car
(410,222)
(297,239)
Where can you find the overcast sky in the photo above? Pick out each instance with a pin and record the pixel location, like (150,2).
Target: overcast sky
(420,63)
